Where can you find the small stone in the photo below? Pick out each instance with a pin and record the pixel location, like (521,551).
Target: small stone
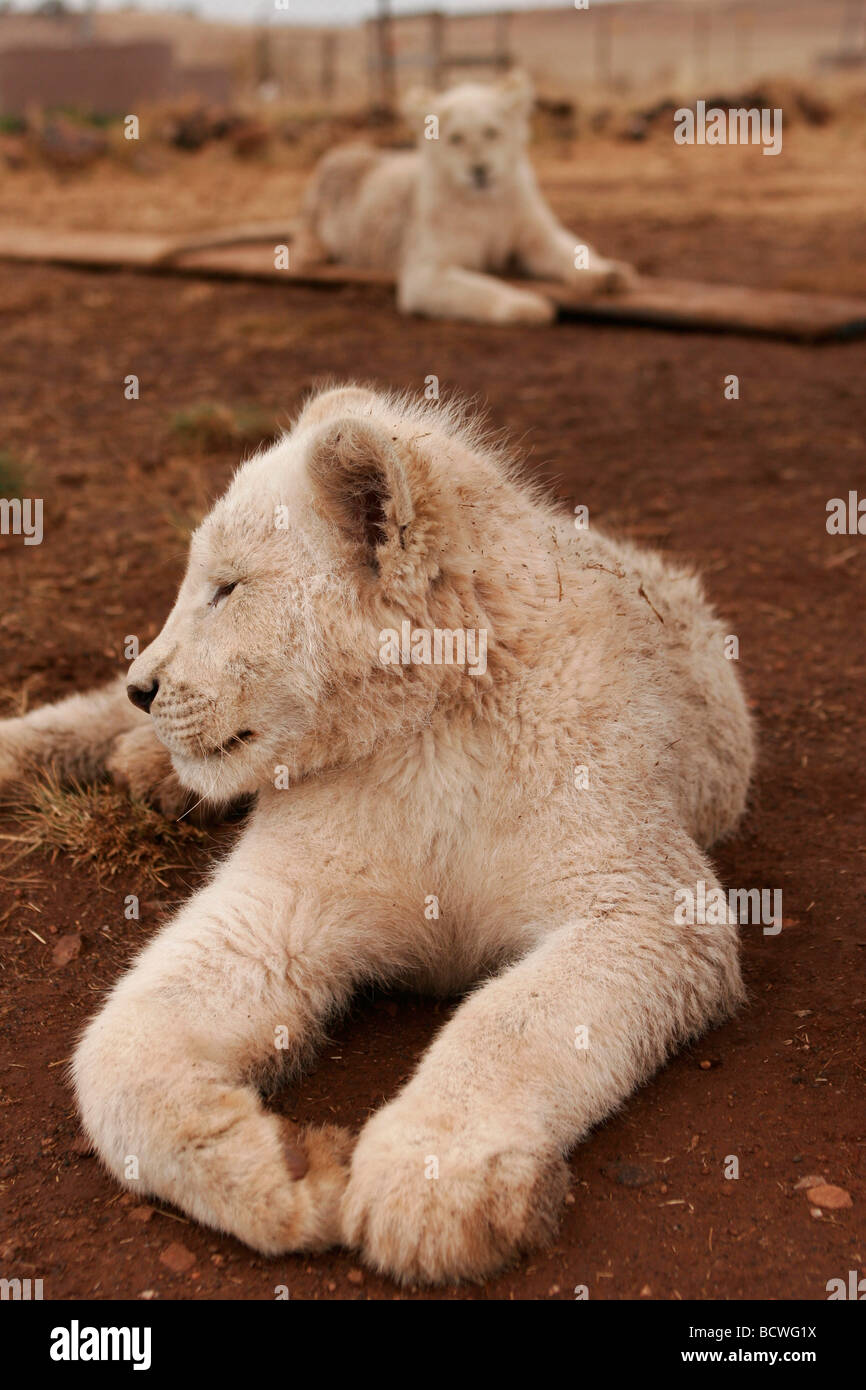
(570,1199)
(67,949)
(629,1174)
(141,1214)
(177,1258)
(554,1289)
(809,1181)
(646,1291)
(148,1293)
(834,1198)
(355,1276)
(815,1211)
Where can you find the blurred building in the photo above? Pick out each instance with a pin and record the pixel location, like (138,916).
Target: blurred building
(50,62)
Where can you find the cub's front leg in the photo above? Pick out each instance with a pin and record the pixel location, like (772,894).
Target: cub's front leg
(452,293)
(232,990)
(547,250)
(465,1168)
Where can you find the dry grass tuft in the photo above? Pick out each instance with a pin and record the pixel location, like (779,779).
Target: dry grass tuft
(216,426)
(12,475)
(100,827)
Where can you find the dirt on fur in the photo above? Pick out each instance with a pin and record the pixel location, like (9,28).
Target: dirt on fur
(634,424)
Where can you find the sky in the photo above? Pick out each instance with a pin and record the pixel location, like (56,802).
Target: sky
(313,11)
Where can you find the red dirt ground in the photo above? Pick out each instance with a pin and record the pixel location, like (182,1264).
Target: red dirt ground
(631,422)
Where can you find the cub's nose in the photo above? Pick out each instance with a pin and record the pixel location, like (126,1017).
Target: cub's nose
(479,174)
(143,695)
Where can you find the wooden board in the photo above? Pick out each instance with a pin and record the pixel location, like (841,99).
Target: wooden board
(678,304)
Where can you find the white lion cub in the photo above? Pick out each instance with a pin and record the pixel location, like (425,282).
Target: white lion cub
(551,801)
(448,217)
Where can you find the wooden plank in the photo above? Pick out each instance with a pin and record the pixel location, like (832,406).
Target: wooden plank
(676,304)
(257,263)
(686,304)
(121,249)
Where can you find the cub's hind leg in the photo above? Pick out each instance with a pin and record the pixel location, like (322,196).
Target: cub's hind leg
(75,735)
(86,736)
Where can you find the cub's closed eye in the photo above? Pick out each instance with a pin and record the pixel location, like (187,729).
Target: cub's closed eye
(491,133)
(456,138)
(223,592)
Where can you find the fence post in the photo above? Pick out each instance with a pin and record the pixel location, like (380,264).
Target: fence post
(387,89)
(744,20)
(602,48)
(701,32)
(327,71)
(854,28)
(437,49)
(503,33)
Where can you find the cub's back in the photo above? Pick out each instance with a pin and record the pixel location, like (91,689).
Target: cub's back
(359,204)
(664,650)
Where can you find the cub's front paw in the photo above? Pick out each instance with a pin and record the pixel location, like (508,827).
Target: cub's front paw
(286,1202)
(602,277)
(307,250)
(618,276)
(14,753)
(208,1147)
(140,765)
(523,306)
(436,1202)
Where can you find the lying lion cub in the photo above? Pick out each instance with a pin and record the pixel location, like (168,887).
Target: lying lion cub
(464,204)
(516,828)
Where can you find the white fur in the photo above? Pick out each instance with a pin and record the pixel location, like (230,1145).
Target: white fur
(464,204)
(555,901)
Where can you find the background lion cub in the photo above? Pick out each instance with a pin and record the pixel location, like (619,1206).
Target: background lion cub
(464,204)
(382,785)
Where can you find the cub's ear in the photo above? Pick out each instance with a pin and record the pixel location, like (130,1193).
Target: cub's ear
(518,92)
(360,482)
(333,403)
